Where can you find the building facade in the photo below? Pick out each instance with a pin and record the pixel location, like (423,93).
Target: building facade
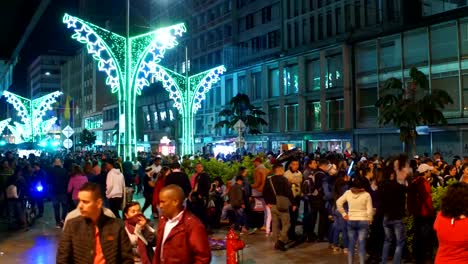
(44,74)
(85,96)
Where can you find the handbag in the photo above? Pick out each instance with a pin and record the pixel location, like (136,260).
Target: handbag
(282,202)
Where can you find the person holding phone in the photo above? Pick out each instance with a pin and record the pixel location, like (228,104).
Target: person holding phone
(140,233)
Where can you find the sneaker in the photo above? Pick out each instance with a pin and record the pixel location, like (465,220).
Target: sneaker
(244,231)
(58,226)
(263,228)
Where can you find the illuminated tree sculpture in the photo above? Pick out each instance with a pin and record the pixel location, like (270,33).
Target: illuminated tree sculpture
(31,113)
(187,92)
(126,61)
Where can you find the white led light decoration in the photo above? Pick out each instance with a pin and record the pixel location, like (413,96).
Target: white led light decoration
(187,94)
(31,113)
(126,62)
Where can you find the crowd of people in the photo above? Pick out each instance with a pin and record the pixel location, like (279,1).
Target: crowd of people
(356,203)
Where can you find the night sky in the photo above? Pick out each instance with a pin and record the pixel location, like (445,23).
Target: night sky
(52,37)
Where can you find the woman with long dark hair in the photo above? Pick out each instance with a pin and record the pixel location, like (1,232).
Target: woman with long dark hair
(451,226)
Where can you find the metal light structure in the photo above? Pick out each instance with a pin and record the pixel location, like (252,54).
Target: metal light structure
(126,61)
(187,92)
(31,113)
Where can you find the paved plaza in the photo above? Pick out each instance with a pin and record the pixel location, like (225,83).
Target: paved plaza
(39,245)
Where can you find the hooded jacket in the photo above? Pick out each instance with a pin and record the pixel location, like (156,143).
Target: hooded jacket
(359,204)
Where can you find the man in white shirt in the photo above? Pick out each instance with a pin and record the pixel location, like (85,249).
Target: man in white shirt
(155,167)
(115,189)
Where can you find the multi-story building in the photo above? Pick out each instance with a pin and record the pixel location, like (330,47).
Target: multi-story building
(87,95)
(44,74)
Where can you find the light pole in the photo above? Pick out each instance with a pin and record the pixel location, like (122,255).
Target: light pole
(127,61)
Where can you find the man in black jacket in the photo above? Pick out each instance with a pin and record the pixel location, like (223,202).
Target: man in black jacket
(58,182)
(278,185)
(200,193)
(393,206)
(180,178)
(94,237)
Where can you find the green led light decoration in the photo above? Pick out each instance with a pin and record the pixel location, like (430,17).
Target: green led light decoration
(3,124)
(187,94)
(127,62)
(31,113)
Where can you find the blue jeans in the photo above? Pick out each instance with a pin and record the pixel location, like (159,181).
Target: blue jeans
(393,228)
(357,231)
(240,218)
(340,226)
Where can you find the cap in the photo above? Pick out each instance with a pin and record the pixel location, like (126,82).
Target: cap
(424,167)
(363,159)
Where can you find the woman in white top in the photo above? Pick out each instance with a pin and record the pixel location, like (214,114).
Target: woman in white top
(359,216)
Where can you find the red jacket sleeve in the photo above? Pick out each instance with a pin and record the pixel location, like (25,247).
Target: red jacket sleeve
(198,242)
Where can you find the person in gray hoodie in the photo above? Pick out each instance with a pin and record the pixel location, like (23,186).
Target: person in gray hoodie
(359,216)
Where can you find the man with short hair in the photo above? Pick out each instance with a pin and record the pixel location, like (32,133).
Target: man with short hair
(260,175)
(200,193)
(181,237)
(115,188)
(94,237)
(278,185)
(178,177)
(156,167)
(294,177)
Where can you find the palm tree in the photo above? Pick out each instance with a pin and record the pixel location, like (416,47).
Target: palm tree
(401,106)
(242,109)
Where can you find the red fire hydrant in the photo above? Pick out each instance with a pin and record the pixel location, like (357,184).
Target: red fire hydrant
(233,244)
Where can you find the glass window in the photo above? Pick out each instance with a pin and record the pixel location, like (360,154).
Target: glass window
(334,71)
(431,7)
(313,75)
(146,118)
(228,90)
(415,47)
(367,112)
(162,111)
(257,85)
(216,90)
(313,116)
(366,58)
(390,53)
(290,79)
(448,81)
(335,114)
(154,117)
(273,82)
(444,42)
(274,119)
(241,85)
(464,37)
(291,117)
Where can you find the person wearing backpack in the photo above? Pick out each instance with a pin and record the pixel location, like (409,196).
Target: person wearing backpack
(15,188)
(314,199)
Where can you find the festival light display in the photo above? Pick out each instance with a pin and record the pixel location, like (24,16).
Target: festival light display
(3,124)
(126,62)
(187,92)
(31,113)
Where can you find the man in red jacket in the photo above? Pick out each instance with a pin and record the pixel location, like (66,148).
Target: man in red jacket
(181,237)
